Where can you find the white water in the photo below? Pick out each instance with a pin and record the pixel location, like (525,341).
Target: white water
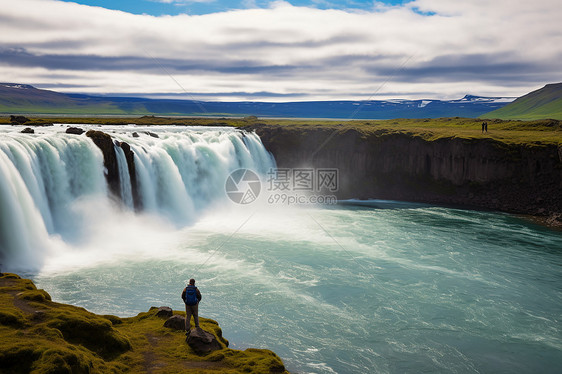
(390,288)
(54,196)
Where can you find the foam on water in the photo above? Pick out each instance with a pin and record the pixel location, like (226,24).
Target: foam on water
(402,290)
(388,287)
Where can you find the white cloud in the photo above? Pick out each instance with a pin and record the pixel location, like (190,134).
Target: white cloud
(503,47)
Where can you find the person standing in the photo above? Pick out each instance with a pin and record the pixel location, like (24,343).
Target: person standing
(191,297)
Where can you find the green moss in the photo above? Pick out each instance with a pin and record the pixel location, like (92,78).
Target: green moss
(17,357)
(62,361)
(41,336)
(35,295)
(508,131)
(91,331)
(11,318)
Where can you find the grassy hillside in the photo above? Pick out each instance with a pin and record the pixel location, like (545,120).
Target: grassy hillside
(21,98)
(540,104)
(24,99)
(40,336)
(507,131)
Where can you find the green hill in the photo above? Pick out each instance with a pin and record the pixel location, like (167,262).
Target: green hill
(22,98)
(545,103)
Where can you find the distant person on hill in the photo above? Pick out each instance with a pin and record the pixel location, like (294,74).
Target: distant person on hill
(191,297)
(484,127)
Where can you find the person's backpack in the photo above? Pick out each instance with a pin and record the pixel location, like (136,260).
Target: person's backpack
(190,296)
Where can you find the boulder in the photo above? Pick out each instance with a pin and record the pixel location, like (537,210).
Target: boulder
(164,312)
(175,322)
(151,134)
(28,130)
(74,131)
(18,120)
(136,135)
(202,342)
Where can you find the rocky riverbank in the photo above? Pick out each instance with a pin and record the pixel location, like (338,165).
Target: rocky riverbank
(42,336)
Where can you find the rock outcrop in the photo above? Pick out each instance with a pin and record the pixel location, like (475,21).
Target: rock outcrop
(202,342)
(175,322)
(105,143)
(74,130)
(28,130)
(164,312)
(478,173)
(42,336)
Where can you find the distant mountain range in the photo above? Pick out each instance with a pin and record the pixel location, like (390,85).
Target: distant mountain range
(539,104)
(25,99)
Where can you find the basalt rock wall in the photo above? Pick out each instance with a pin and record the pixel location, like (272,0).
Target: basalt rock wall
(478,173)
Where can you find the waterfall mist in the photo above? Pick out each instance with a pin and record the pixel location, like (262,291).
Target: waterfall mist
(55,199)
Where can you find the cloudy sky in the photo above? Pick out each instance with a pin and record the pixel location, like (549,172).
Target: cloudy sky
(282,50)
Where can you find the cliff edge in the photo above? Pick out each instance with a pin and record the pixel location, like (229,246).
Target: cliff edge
(506,170)
(42,336)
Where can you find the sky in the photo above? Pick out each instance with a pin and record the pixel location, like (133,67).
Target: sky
(259,50)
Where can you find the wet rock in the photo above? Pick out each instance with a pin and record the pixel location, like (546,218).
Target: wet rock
(136,134)
(175,322)
(105,143)
(164,312)
(130,157)
(202,342)
(28,130)
(74,131)
(151,134)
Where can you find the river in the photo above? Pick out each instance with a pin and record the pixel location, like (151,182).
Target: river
(357,287)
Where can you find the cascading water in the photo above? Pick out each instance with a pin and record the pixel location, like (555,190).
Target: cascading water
(387,288)
(49,181)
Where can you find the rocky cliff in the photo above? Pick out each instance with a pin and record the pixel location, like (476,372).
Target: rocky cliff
(478,173)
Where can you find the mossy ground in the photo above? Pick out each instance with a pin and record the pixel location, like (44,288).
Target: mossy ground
(508,131)
(41,336)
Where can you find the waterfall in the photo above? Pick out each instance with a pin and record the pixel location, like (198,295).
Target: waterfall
(48,179)
(124,178)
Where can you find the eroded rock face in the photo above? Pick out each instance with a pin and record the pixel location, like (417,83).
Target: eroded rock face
(175,322)
(202,342)
(482,173)
(105,143)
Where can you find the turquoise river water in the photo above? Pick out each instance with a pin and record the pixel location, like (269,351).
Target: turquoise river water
(350,289)
(357,287)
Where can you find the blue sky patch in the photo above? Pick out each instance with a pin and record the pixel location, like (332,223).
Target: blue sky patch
(174,7)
